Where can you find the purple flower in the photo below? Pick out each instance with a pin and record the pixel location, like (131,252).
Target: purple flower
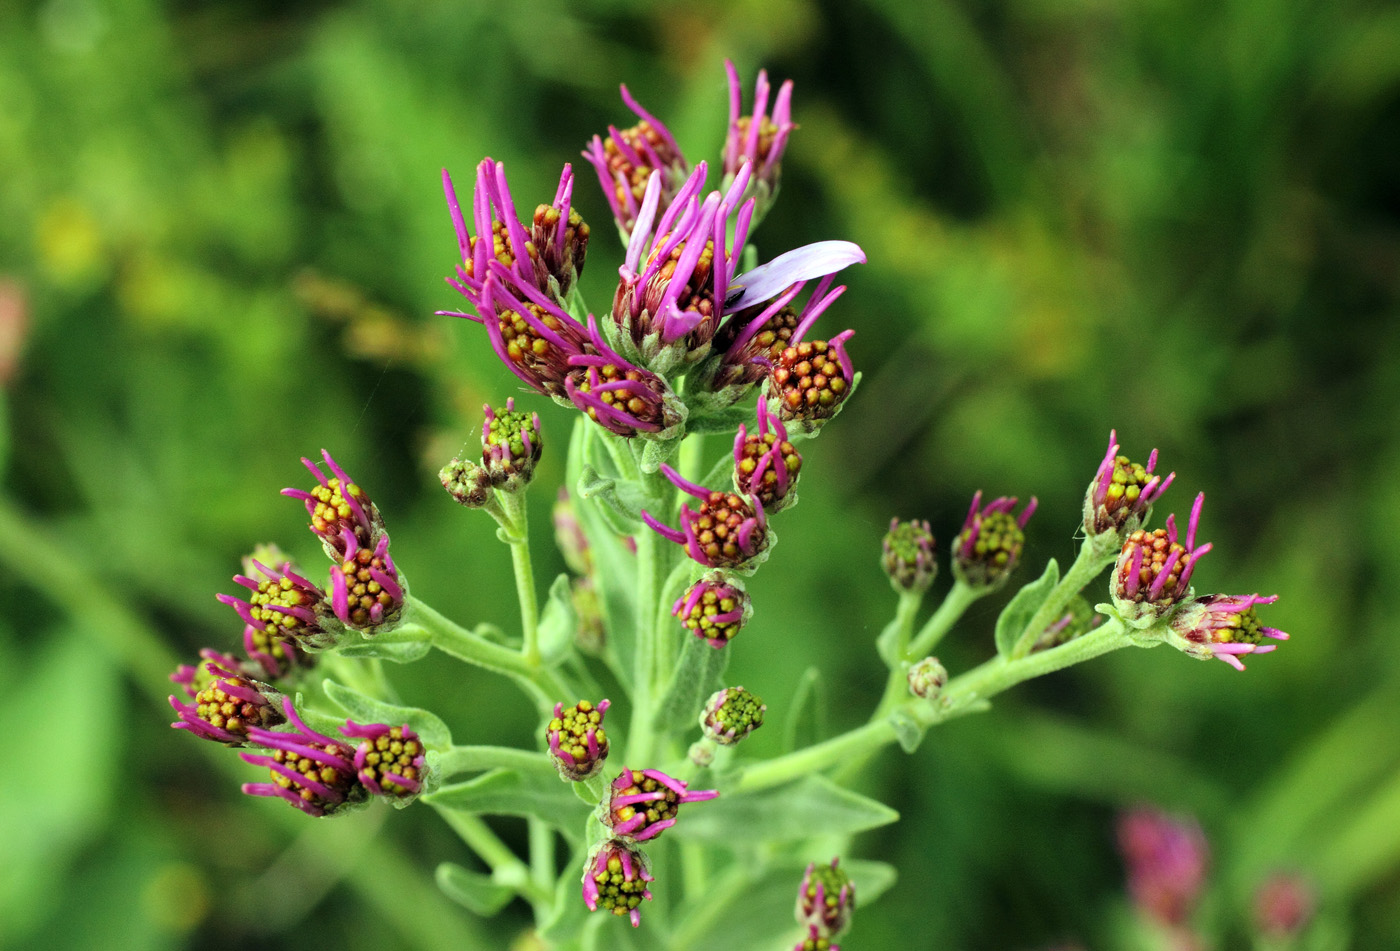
(715,608)
(625,399)
(529,331)
(1153,572)
(366,592)
(987,548)
(644,803)
(731,714)
(313,772)
(678,269)
(1122,493)
(826,900)
(1166,860)
(227,705)
(615,877)
(629,158)
(342,515)
(510,447)
(757,140)
(282,608)
(549,256)
(810,380)
(727,531)
(577,743)
(750,341)
(1223,626)
(390,760)
(1284,905)
(907,555)
(766,464)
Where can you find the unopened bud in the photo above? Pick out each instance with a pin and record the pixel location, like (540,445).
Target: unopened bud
(927,678)
(577,743)
(731,714)
(990,543)
(826,899)
(908,556)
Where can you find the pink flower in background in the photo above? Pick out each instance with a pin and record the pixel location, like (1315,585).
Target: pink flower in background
(1166,858)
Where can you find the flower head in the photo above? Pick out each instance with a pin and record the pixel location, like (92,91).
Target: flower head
(1284,904)
(529,332)
(815,941)
(714,608)
(577,743)
(1166,860)
(757,140)
(366,590)
(766,464)
(622,398)
(826,900)
(468,483)
(727,531)
(1121,495)
(390,760)
(342,515)
(1223,626)
(907,555)
(678,270)
(927,678)
(644,803)
(628,159)
(282,608)
(810,380)
(731,714)
(1153,573)
(987,548)
(548,256)
(510,447)
(227,704)
(313,772)
(615,878)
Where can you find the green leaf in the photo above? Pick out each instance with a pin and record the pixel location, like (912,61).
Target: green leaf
(695,677)
(795,811)
(621,502)
(508,792)
(473,890)
(657,451)
(429,727)
(806,713)
(1018,613)
(558,621)
(725,420)
(402,646)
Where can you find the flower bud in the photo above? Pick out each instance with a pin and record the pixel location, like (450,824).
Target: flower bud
(766,465)
(989,545)
(577,743)
(1153,573)
(815,942)
(725,532)
(283,607)
(468,483)
(1284,905)
(615,878)
(1166,860)
(389,760)
(342,515)
(908,556)
(510,447)
(1223,626)
(731,714)
(311,771)
(227,704)
(569,535)
(1078,619)
(714,608)
(927,678)
(366,592)
(758,140)
(561,235)
(1120,497)
(810,380)
(592,634)
(644,803)
(826,899)
(626,160)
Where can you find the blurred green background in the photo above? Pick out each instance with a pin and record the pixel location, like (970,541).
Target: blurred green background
(222,238)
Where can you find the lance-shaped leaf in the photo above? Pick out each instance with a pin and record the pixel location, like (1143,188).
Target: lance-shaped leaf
(1019,611)
(794,811)
(507,792)
(363,709)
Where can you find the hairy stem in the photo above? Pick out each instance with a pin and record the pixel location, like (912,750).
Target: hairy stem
(519,514)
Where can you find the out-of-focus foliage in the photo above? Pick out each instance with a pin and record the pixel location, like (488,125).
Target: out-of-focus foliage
(221,243)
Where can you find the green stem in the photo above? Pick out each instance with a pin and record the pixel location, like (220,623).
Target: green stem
(479,759)
(959,598)
(979,684)
(506,867)
(639,735)
(542,866)
(1091,560)
(519,514)
(691,463)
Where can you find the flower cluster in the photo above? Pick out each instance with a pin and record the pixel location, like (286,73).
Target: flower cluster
(731,714)
(990,543)
(715,608)
(826,900)
(727,530)
(643,803)
(577,743)
(1166,860)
